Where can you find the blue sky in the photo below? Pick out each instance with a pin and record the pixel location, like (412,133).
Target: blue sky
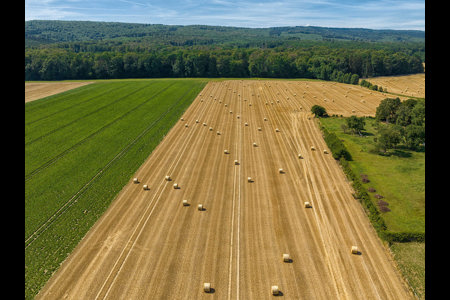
(381,14)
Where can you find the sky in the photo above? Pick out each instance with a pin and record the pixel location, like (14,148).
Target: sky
(380,14)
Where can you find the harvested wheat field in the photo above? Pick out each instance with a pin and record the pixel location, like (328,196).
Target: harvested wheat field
(150,244)
(38,90)
(408,85)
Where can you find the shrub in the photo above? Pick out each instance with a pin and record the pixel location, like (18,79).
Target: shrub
(318,110)
(336,146)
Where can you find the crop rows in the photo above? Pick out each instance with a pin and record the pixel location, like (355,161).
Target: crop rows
(80,148)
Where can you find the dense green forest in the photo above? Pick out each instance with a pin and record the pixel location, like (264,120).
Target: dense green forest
(58,50)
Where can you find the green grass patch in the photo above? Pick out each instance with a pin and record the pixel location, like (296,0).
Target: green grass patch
(399,177)
(81,147)
(410,258)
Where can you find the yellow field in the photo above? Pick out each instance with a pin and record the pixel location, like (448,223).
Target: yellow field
(149,246)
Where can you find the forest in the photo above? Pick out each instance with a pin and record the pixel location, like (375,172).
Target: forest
(60,50)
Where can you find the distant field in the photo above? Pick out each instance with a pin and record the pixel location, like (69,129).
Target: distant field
(38,90)
(407,85)
(81,147)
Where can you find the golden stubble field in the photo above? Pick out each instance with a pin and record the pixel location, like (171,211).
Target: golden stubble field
(149,246)
(38,90)
(408,85)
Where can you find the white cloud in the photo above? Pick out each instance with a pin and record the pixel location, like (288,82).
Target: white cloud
(393,14)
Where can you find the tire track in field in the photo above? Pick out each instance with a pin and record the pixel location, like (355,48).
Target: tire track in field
(84,116)
(283,124)
(77,104)
(89,137)
(350,228)
(72,200)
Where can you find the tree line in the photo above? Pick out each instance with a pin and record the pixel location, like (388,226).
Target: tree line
(128,60)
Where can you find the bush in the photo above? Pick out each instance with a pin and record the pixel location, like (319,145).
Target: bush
(336,146)
(318,110)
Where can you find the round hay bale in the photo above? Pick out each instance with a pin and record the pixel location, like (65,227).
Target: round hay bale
(196,121)
(277,130)
(300,156)
(249,179)
(286,257)
(200,207)
(246,124)
(185,203)
(210,128)
(181,119)
(313,148)
(355,250)
(236,162)
(255,145)
(145,187)
(307,205)
(218,132)
(275,290)
(226,151)
(186,125)
(259,129)
(175,186)
(204,124)
(281,171)
(135,180)
(265,119)
(325,151)
(168,178)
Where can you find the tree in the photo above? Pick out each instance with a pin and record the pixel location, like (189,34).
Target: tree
(355,124)
(414,136)
(388,137)
(354,79)
(387,110)
(318,110)
(418,114)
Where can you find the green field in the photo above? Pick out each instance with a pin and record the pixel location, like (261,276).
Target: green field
(81,147)
(400,179)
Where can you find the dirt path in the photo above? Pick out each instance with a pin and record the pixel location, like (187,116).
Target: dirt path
(147,245)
